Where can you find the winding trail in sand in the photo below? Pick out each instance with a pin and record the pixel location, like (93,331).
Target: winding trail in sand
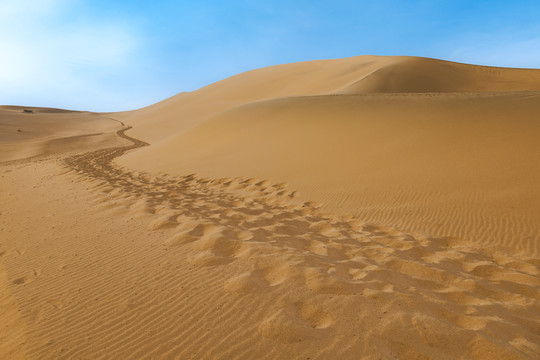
(319,269)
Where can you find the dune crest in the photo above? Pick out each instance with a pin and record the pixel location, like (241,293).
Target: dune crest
(356,75)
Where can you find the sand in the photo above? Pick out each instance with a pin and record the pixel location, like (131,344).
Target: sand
(370,207)
(45,131)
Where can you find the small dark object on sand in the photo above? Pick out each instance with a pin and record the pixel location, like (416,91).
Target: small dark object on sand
(19,130)
(28,111)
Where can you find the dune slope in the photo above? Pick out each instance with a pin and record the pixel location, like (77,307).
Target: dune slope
(418,144)
(362,74)
(114,263)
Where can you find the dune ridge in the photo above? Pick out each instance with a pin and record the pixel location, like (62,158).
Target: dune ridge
(358,75)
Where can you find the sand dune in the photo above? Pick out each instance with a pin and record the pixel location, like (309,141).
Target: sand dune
(418,144)
(316,210)
(357,75)
(46,131)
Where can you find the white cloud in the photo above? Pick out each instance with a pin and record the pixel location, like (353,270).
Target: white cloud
(525,53)
(45,55)
(10,9)
(506,47)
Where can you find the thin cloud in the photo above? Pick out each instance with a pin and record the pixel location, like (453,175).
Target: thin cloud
(522,53)
(44,53)
(507,47)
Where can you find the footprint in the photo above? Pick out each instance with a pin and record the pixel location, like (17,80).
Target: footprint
(321,282)
(312,204)
(312,315)
(56,303)
(245,283)
(296,322)
(20,280)
(208,258)
(206,229)
(179,239)
(318,247)
(219,245)
(188,231)
(325,229)
(281,327)
(276,274)
(164,222)
(142,207)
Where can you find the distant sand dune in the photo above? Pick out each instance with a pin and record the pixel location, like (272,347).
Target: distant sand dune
(48,131)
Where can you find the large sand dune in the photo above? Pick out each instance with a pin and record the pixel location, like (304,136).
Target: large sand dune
(418,144)
(358,75)
(363,208)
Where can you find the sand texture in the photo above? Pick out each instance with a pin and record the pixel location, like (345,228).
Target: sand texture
(461,158)
(362,208)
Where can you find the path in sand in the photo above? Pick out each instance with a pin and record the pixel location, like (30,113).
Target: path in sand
(239,268)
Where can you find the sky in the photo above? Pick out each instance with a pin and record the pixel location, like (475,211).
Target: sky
(120,55)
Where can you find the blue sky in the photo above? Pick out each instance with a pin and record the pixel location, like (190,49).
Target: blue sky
(118,55)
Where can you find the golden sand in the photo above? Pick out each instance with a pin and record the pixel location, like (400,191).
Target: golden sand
(361,208)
